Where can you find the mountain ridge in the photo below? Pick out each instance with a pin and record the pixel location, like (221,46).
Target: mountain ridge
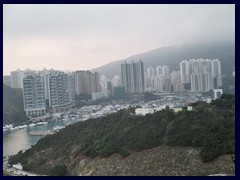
(172,55)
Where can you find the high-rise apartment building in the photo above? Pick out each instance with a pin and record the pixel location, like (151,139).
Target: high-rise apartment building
(184,71)
(177,85)
(133,77)
(82,84)
(150,72)
(116,81)
(165,70)
(34,95)
(167,83)
(103,82)
(61,90)
(95,82)
(87,82)
(158,83)
(158,70)
(53,86)
(17,79)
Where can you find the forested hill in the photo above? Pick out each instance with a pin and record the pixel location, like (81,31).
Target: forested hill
(13,110)
(210,127)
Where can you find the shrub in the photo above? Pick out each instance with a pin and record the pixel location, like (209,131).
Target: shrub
(59,170)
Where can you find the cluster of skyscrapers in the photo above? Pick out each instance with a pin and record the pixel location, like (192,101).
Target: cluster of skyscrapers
(161,80)
(52,89)
(196,75)
(201,74)
(57,89)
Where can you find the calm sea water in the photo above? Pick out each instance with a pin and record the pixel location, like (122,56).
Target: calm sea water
(17,140)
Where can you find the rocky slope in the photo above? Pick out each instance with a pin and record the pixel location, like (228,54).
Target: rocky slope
(159,161)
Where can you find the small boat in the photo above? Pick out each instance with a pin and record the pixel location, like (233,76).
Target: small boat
(41,123)
(8,126)
(57,128)
(6,129)
(32,125)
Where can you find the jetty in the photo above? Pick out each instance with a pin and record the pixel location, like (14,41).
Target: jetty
(40,133)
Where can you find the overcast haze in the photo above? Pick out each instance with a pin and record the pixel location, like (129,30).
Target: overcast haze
(80,37)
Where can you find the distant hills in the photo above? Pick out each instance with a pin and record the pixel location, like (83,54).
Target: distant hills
(171,56)
(13,110)
(80,147)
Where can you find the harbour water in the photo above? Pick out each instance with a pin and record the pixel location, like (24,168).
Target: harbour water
(20,139)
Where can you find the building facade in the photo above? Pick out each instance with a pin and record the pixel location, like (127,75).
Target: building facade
(202,74)
(133,77)
(87,82)
(60,90)
(34,95)
(17,79)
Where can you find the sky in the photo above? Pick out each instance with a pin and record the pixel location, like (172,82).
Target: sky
(82,37)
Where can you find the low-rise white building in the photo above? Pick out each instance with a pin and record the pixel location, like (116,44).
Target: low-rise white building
(99,95)
(189,108)
(176,110)
(17,166)
(144,111)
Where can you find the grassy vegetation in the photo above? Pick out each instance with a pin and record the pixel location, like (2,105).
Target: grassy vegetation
(210,126)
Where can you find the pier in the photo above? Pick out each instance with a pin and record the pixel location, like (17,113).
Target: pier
(40,133)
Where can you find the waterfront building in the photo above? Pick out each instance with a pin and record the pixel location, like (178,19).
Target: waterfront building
(34,95)
(61,90)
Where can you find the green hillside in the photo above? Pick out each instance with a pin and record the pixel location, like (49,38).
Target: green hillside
(13,110)
(210,127)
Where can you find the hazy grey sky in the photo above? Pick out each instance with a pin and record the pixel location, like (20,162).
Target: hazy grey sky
(78,37)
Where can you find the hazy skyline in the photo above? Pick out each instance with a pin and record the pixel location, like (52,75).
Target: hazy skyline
(80,37)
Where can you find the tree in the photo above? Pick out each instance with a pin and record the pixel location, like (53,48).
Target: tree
(59,170)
